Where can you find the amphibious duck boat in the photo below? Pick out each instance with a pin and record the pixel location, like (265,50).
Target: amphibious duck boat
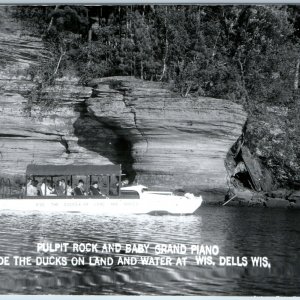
(111,199)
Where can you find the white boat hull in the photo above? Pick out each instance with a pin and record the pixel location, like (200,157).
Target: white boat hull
(148,203)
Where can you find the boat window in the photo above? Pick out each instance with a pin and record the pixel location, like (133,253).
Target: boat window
(98,186)
(130,194)
(52,186)
(114,185)
(72,180)
(73,186)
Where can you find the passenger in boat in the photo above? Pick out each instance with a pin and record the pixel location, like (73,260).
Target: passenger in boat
(29,182)
(79,190)
(94,189)
(70,191)
(32,189)
(61,187)
(46,187)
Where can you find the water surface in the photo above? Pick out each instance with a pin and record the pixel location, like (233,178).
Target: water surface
(237,231)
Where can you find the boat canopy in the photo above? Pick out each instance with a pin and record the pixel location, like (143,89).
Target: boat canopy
(60,170)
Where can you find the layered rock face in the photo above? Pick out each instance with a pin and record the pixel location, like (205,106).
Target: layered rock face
(160,138)
(176,142)
(41,137)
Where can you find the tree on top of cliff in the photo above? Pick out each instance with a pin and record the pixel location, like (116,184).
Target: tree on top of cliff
(74,19)
(244,53)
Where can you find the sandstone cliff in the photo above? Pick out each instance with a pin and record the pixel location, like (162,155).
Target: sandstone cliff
(160,138)
(175,141)
(41,137)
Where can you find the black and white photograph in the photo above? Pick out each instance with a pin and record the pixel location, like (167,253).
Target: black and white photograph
(150,149)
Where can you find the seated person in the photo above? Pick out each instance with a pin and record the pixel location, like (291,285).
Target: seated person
(32,189)
(29,182)
(79,190)
(47,190)
(61,187)
(70,191)
(94,189)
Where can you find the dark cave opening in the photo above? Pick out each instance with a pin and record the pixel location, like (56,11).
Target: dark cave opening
(100,135)
(242,179)
(241,176)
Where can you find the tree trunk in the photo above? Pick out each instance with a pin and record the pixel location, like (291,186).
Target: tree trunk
(62,53)
(215,47)
(296,81)
(51,21)
(164,61)
(242,70)
(188,90)
(90,35)
(134,66)
(142,70)
(166,50)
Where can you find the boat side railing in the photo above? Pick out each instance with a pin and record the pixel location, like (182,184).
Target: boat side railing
(5,187)
(159,193)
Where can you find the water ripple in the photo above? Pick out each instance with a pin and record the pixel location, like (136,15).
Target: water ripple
(237,232)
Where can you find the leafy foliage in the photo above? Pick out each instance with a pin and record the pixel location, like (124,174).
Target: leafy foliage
(237,52)
(249,54)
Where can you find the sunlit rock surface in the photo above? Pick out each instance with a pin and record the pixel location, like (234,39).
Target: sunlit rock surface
(176,142)
(41,136)
(160,138)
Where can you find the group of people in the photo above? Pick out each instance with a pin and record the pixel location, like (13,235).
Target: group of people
(34,188)
(94,189)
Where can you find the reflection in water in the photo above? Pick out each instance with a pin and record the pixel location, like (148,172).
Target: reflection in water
(237,232)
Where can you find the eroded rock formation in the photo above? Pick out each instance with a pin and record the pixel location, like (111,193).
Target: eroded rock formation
(40,137)
(160,138)
(176,141)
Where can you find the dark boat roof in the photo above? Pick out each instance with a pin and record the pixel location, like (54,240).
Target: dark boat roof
(59,170)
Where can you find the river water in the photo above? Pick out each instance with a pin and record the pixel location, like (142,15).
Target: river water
(271,233)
